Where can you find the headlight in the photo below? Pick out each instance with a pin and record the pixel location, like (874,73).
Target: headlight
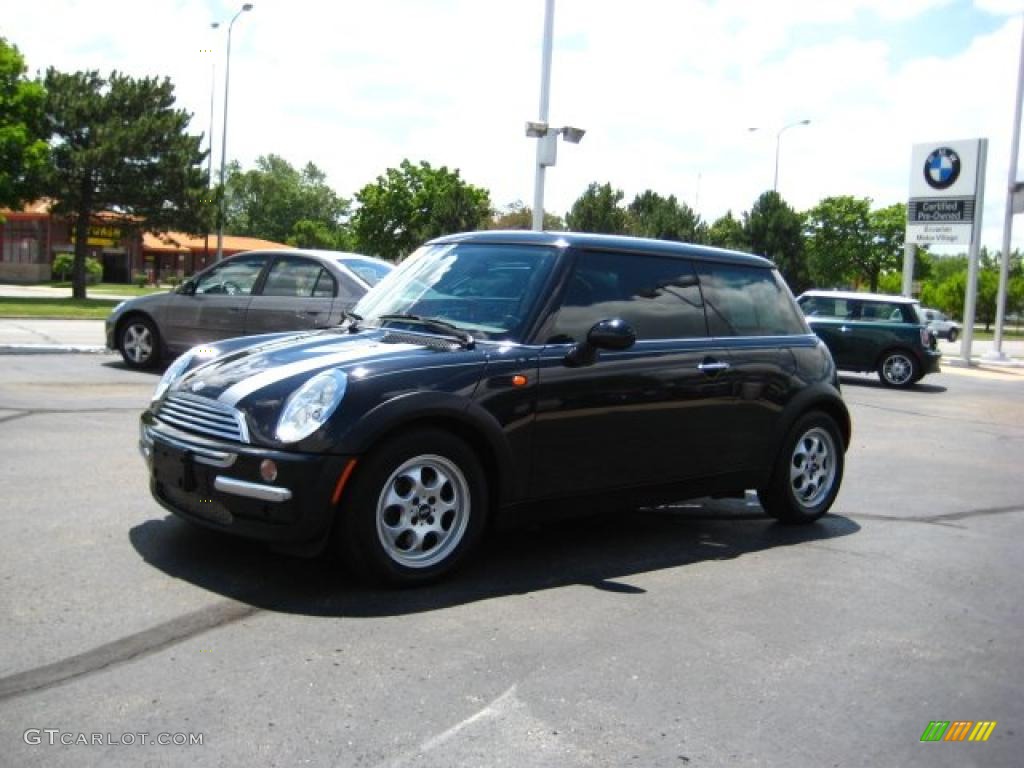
(175,369)
(308,407)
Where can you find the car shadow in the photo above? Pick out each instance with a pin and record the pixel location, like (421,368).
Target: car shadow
(602,552)
(868,381)
(120,365)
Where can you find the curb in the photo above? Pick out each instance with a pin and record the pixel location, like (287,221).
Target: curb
(52,349)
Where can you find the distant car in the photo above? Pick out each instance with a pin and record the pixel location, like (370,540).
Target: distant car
(939,324)
(873,332)
(250,293)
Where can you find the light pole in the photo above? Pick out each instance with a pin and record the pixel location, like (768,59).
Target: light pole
(224,136)
(547,137)
(778,139)
(209,150)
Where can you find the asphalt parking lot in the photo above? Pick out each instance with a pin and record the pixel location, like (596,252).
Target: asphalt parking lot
(702,634)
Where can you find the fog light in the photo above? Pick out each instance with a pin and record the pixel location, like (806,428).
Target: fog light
(268,470)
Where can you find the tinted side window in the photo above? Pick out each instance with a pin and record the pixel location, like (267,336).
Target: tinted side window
(298,277)
(748,301)
(658,296)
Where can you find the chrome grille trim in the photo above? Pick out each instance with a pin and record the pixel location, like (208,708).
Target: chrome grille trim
(203,416)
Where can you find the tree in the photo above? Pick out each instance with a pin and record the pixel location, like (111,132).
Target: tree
(414,203)
(518,216)
(275,201)
(24,153)
(728,232)
(888,230)
(775,231)
(120,145)
(838,234)
(598,210)
(664,218)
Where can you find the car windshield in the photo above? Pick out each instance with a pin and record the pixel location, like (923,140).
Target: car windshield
(370,271)
(488,290)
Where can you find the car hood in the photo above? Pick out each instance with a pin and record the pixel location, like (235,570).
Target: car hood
(273,369)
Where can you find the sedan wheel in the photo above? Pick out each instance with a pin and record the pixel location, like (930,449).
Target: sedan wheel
(138,343)
(898,369)
(416,508)
(952,334)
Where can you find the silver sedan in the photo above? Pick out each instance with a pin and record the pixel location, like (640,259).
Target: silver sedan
(250,293)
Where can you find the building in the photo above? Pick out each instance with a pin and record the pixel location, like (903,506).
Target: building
(32,237)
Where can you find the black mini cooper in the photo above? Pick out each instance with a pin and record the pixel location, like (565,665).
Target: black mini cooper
(496,372)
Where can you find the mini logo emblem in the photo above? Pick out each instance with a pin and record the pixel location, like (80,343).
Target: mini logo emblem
(198,385)
(942,168)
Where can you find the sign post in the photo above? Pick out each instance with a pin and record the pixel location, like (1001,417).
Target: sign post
(947,196)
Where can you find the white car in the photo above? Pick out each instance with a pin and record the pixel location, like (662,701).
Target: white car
(939,324)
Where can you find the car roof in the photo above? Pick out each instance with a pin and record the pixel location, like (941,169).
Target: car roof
(860,296)
(605,243)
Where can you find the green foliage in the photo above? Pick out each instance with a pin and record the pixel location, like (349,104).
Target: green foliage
(775,231)
(119,144)
(728,232)
(664,218)
(414,203)
(598,210)
(838,232)
(63,266)
(275,201)
(24,153)
(518,216)
(140,279)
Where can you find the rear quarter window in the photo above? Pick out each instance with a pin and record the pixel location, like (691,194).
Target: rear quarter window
(748,301)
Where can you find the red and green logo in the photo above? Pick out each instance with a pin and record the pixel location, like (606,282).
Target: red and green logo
(958,730)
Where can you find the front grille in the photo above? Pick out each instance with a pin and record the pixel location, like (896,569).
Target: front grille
(203,416)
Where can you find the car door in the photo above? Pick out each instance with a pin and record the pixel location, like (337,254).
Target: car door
(648,415)
(752,313)
(215,302)
(297,294)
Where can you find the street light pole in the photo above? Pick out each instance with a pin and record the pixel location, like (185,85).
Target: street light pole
(545,92)
(778,139)
(224,136)
(209,150)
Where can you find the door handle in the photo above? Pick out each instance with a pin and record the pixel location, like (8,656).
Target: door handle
(712,366)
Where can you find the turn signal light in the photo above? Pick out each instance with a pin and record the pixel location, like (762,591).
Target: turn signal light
(268,470)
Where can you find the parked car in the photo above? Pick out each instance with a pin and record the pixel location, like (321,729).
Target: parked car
(940,324)
(873,332)
(498,372)
(250,293)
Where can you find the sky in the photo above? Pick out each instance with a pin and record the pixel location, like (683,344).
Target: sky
(667,90)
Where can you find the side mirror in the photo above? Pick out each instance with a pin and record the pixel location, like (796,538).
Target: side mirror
(614,334)
(188,288)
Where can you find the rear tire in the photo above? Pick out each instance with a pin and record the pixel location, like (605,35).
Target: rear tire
(952,334)
(139,342)
(808,472)
(898,369)
(416,508)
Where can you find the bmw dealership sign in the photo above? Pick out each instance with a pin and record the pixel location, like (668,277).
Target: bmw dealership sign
(944,182)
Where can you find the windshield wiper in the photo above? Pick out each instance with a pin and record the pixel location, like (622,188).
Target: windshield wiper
(354,320)
(434,324)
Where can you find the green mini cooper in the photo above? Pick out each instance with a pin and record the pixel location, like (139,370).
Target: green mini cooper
(873,332)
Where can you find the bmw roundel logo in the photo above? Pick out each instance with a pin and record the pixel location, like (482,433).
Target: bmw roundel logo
(942,168)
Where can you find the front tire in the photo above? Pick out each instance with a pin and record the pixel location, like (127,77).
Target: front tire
(952,334)
(808,472)
(898,369)
(139,342)
(417,506)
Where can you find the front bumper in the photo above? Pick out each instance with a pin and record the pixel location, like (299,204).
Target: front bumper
(218,485)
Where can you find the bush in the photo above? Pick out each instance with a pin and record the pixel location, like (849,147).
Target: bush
(172,280)
(140,279)
(64,265)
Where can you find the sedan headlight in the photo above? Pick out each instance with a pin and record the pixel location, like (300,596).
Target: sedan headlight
(308,407)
